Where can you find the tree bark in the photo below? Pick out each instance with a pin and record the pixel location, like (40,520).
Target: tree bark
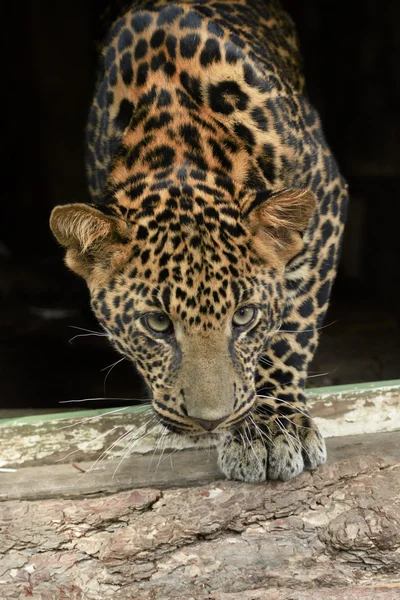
(334,533)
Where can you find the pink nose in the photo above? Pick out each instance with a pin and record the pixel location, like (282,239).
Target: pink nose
(210,425)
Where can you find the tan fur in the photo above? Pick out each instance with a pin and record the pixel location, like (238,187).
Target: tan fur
(277,224)
(206,360)
(89,236)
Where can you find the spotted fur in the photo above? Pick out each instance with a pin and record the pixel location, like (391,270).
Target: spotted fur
(215,196)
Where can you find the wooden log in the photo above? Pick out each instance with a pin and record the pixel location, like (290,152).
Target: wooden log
(328,534)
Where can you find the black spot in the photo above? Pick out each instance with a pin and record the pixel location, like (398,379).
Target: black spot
(158,61)
(164,259)
(166,298)
(192,86)
(328,264)
(136,191)
(237,41)
(142,73)
(215,29)
(323,293)
(164,99)
(141,49)
(163,275)
(191,19)
(327,230)
(259,118)
(190,135)
(157,122)
(189,45)
(171,46)
(141,21)
(142,233)
(265,410)
(227,96)
(169,14)
(199,176)
(245,134)
(210,53)
(110,98)
(125,40)
(157,38)
(286,410)
(304,338)
(148,98)
(306,309)
(232,54)
(184,100)
(251,78)
(160,157)
(109,58)
(195,241)
(125,65)
(113,75)
(280,348)
(144,257)
(296,360)
(169,69)
(220,154)
(254,179)
(165,216)
(266,162)
(124,115)
(105,311)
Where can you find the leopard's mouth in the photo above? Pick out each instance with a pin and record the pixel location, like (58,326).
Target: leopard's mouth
(202,428)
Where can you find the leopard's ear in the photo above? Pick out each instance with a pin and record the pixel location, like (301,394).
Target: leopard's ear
(90,237)
(278,220)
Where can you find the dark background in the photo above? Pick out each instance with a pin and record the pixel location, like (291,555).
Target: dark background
(351,52)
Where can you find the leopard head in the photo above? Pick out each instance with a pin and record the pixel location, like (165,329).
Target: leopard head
(190,288)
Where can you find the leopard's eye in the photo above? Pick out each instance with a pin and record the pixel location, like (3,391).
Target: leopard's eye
(158,322)
(244,316)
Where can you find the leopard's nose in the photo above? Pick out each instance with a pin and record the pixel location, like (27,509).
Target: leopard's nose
(209,425)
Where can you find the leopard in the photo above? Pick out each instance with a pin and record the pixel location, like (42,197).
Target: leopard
(212,236)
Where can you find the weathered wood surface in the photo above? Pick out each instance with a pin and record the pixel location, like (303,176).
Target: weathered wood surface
(339,411)
(334,533)
(171,469)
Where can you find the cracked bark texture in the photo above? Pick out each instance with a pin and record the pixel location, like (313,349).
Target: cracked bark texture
(334,533)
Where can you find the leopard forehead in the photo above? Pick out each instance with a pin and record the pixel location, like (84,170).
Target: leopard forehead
(197,270)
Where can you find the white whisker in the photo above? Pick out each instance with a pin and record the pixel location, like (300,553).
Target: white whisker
(110,368)
(248,437)
(88,332)
(118,441)
(160,443)
(86,419)
(91,442)
(295,408)
(109,398)
(131,445)
(262,433)
(306,330)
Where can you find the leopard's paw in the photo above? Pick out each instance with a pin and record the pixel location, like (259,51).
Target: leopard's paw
(241,461)
(287,451)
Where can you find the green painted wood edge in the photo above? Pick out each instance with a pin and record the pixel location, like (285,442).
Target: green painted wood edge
(354,387)
(72,415)
(322,391)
